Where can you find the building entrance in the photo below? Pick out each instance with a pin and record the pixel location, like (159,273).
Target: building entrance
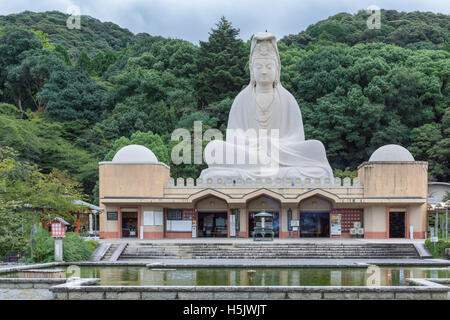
(314,224)
(129,224)
(212,224)
(396,224)
(273,222)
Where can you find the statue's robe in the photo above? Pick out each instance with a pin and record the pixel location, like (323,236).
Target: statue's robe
(297,158)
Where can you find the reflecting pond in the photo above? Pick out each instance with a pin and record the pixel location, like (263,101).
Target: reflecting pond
(141,275)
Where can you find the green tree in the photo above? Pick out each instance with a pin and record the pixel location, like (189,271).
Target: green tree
(64,54)
(84,62)
(221,65)
(44,40)
(70,94)
(26,79)
(12,43)
(22,188)
(43,142)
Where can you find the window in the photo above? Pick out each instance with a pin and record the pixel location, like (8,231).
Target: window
(174,215)
(158,215)
(148,218)
(153,218)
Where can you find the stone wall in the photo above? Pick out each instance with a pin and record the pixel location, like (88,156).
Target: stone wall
(29,283)
(243,293)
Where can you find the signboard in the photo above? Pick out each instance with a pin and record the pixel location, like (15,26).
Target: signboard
(434,239)
(194,229)
(179,225)
(335,223)
(111,215)
(295,223)
(58,229)
(348,217)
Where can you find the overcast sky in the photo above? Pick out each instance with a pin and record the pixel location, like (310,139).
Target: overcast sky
(192,19)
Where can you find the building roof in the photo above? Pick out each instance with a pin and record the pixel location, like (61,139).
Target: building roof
(87,204)
(391,152)
(440,206)
(59,220)
(439,183)
(135,153)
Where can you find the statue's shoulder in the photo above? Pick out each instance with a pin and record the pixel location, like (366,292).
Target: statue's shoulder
(242,96)
(287,95)
(244,93)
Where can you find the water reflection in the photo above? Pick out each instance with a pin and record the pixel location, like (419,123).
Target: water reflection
(135,275)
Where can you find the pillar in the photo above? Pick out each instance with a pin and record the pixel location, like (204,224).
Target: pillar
(91,230)
(59,249)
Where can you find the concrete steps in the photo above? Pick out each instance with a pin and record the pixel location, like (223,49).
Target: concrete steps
(110,251)
(100,252)
(267,251)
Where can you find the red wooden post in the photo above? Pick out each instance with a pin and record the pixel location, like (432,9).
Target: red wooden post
(78,223)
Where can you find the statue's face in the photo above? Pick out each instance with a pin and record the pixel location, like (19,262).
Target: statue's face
(264,70)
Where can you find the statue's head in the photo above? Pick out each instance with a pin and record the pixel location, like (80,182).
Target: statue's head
(265,63)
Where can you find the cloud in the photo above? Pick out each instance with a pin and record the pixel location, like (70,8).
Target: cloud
(192,20)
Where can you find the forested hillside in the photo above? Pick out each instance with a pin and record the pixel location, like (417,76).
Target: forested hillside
(93,35)
(412,30)
(71,98)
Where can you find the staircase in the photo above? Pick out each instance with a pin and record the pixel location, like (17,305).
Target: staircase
(110,251)
(144,251)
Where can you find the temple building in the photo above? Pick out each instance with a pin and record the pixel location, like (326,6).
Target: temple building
(388,199)
(264,176)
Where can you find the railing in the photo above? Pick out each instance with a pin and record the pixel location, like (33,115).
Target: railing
(263,183)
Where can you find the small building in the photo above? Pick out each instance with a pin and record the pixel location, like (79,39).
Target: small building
(438,191)
(388,199)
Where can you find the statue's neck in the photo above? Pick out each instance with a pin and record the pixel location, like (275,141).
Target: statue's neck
(264,88)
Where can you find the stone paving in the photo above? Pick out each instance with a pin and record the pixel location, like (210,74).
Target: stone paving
(364,263)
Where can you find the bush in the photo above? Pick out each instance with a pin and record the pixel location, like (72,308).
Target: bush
(437,249)
(74,247)
(44,246)
(91,244)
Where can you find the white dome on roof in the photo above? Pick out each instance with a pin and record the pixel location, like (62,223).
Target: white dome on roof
(134,153)
(391,152)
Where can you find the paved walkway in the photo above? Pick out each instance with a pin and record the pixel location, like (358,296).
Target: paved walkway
(304,263)
(250,240)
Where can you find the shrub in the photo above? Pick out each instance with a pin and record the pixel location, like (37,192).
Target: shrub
(44,246)
(74,248)
(437,249)
(91,244)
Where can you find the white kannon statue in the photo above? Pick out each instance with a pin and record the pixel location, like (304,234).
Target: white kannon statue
(265,137)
